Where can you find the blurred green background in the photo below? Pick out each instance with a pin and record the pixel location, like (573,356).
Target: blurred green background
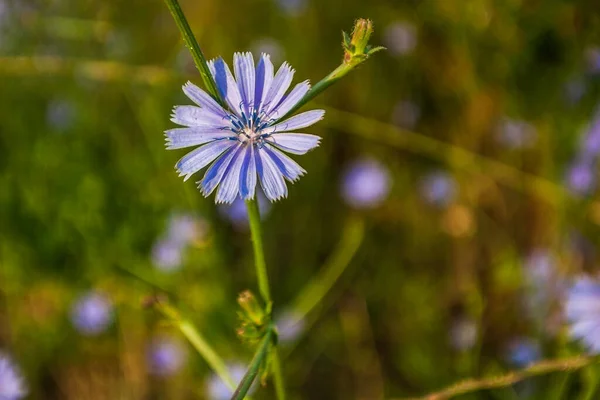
(483,112)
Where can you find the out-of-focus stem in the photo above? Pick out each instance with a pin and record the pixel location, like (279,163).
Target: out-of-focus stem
(540,368)
(320,285)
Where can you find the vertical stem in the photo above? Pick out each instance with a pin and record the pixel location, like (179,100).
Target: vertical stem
(194,47)
(259,255)
(263,286)
(258,360)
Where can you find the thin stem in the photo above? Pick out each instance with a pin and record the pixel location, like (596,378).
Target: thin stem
(200,344)
(336,264)
(259,255)
(255,364)
(324,83)
(277,374)
(540,368)
(194,47)
(263,286)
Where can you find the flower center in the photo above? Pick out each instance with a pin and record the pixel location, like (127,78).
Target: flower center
(248,135)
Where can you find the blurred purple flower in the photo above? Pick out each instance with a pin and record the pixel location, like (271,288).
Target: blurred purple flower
(575,90)
(237,212)
(166,356)
(292,7)
(590,143)
(541,274)
(92,313)
(523,352)
(515,134)
(60,114)
(12,385)
(463,334)
(592,57)
(289,326)
(167,255)
(365,184)
(270,46)
(580,178)
(400,38)
(217,390)
(185,228)
(582,310)
(406,114)
(439,189)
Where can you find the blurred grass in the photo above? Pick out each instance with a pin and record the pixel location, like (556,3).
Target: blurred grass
(90,190)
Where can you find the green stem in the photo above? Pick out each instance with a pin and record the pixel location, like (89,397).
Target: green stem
(258,360)
(320,285)
(194,47)
(263,286)
(200,344)
(259,255)
(324,83)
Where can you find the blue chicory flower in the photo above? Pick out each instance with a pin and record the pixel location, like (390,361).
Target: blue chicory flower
(12,385)
(92,313)
(166,356)
(365,184)
(582,310)
(438,188)
(244,144)
(523,352)
(580,178)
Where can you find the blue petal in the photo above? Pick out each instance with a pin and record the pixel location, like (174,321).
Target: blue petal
(215,173)
(243,65)
(288,167)
(180,138)
(248,175)
(230,184)
(270,176)
(264,78)
(297,121)
(280,84)
(203,99)
(196,116)
(226,85)
(195,160)
(290,100)
(295,143)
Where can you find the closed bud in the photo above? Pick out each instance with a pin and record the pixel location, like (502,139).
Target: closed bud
(252,310)
(363,28)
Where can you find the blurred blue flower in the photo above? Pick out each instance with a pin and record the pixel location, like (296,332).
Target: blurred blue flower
(515,134)
(592,57)
(289,327)
(590,143)
(244,144)
(12,385)
(166,356)
(580,178)
(92,313)
(406,114)
(186,228)
(217,390)
(463,334)
(60,114)
(237,212)
(292,7)
(269,46)
(575,90)
(582,310)
(400,38)
(365,183)
(523,352)
(167,255)
(439,188)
